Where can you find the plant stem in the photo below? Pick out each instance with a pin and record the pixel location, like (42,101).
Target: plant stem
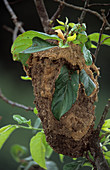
(83,12)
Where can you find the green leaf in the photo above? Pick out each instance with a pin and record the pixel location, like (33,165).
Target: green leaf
(66,22)
(93,46)
(82,38)
(88,43)
(38,45)
(21,120)
(38,149)
(107,156)
(63,45)
(88,164)
(24,41)
(61,157)
(37,124)
(17,152)
(59,27)
(106,125)
(76,165)
(25,78)
(49,151)
(66,87)
(23,58)
(89,85)
(35,111)
(95,37)
(5,133)
(71,24)
(87,56)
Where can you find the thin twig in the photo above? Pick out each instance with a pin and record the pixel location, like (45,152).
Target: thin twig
(42,14)
(100,36)
(98,4)
(57,13)
(14,103)
(83,12)
(14,17)
(83,9)
(106,109)
(8,28)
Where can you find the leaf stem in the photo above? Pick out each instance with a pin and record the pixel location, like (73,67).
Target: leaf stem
(30,127)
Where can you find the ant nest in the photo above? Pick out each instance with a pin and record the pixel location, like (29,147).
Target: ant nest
(69,136)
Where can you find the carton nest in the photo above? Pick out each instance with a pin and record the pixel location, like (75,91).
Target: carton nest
(69,136)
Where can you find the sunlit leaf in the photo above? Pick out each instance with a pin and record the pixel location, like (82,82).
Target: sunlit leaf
(5,133)
(38,149)
(61,157)
(66,87)
(25,78)
(105,38)
(35,111)
(71,38)
(89,85)
(106,125)
(71,24)
(60,22)
(21,120)
(24,41)
(59,27)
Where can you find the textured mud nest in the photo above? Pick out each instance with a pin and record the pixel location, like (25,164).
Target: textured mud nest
(70,135)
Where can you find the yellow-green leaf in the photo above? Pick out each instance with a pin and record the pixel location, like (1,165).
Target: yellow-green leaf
(71,38)
(38,149)
(60,22)
(5,133)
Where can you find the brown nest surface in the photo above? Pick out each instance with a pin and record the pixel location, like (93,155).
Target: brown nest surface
(70,135)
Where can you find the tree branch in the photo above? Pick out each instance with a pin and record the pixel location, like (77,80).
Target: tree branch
(106,109)
(83,12)
(98,4)
(83,9)
(14,103)
(14,17)
(42,14)
(57,13)
(99,159)
(100,35)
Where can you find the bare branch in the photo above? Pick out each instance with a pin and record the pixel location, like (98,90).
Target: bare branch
(83,9)
(57,13)
(100,35)
(106,109)
(99,159)
(98,4)
(83,12)
(8,28)
(14,103)
(42,14)
(14,17)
